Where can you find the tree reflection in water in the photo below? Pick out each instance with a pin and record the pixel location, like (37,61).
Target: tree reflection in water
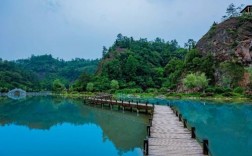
(125,130)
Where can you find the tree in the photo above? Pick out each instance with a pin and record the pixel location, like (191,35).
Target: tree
(130,67)
(58,86)
(232,11)
(104,51)
(191,44)
(197,80)
(202,81)
(190,81)
(231,74)
(114,84)
(90,87)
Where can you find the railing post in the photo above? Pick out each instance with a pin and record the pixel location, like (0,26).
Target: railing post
(146,109)
(180,116)
(148,130)
(193,133)
(205,147)
(150,121)
(146,147)
(184,122)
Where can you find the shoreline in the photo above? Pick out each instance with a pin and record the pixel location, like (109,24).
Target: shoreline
(177,96)
(163,96)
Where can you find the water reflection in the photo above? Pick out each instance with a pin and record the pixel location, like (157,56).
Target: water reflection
(125,131)
(228,126)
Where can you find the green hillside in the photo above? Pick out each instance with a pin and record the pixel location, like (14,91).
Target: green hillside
(39,72)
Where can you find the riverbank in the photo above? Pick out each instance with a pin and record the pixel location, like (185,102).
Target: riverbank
(173,96)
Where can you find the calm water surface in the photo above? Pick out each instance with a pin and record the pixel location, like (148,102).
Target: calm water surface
(227,125)
(56,126)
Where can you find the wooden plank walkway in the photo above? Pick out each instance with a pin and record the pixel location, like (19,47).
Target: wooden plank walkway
(137,106)
(169,137)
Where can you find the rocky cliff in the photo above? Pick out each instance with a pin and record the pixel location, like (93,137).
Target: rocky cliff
(230,40)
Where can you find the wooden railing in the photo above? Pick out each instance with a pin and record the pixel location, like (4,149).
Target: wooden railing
(204,142)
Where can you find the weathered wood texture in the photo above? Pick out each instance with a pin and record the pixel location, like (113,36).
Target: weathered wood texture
(169,137)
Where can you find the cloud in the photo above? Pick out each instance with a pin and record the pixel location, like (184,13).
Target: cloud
(79,28)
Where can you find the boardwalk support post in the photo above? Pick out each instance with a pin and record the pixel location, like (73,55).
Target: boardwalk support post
(146,110)
(150,121)
(205,147)
(148,130)
(193,133)
(184,122)
(180,116)
(146,147)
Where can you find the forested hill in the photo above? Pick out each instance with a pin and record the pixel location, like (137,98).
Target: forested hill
(141,63)
(12,76)
(39,72)
(219,63)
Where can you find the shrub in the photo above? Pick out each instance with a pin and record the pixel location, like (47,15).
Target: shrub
(219,90)
(114,84)
(129,91)
(239,90)
(227,90)
(90,87)
(227,94)
(58,86)
(210,90)
(151,90)
(196,80)
(164,90)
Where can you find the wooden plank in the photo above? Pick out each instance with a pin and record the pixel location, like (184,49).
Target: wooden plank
(169,137)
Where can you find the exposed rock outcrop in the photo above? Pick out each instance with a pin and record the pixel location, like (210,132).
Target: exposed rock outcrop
(229,40)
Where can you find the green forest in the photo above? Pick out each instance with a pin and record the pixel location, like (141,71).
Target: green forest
(148,66)
(39,72)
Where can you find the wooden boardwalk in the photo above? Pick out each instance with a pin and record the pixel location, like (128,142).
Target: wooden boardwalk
(124,105)
(169,137)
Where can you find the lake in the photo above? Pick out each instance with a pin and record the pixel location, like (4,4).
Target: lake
(227,126)
(59,126)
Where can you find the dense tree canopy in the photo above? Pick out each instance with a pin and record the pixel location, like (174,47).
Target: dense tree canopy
(39,72)
(139,63)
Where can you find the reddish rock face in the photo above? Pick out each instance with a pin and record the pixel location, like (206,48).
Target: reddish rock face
(229,40)
(244,51)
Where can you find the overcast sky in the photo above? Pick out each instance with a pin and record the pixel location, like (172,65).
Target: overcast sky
(79,28)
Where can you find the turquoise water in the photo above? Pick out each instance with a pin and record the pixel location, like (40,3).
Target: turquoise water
(56,126)
(226,125)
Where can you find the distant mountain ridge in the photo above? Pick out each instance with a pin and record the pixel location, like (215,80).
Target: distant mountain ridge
(43,70)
